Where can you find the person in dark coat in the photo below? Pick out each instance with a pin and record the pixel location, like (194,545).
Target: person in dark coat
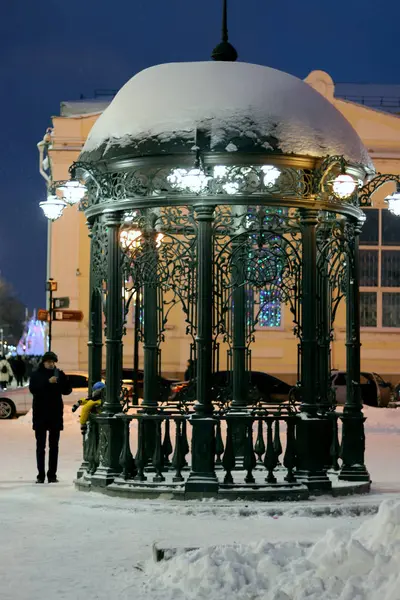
(47,385)
(19,369)
(190,372)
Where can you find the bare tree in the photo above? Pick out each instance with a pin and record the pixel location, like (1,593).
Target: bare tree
(12,313)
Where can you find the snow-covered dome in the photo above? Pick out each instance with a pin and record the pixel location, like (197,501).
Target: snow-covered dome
(239,107)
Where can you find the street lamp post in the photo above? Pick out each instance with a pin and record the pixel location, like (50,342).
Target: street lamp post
(51,286)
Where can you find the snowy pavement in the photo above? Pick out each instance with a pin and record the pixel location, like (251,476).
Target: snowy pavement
(57,543)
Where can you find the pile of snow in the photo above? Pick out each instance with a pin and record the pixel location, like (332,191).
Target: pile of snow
(382,420)
(343,565)
(232,101)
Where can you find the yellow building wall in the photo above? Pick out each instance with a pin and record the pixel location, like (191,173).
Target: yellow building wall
(275,350)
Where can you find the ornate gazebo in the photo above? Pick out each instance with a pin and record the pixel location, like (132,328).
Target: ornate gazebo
(218,186)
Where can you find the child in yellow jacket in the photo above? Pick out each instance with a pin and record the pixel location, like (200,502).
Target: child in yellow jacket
(92,404)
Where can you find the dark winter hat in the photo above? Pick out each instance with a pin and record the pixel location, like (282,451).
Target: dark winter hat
(49,356)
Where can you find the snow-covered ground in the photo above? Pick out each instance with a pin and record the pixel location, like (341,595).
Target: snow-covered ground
(57,543)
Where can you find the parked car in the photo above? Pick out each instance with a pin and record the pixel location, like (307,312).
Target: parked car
(15,402)
(374,390)
(262,388)
(397,393)
(128,380)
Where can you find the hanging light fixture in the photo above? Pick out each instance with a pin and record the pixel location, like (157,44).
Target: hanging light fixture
(72,191)
(53,207)
(344,186)
(393,201)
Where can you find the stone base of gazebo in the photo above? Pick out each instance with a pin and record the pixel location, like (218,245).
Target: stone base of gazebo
(257,491)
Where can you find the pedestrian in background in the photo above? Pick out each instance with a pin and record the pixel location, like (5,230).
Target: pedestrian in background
(19,370)
(6,373)
(48,385)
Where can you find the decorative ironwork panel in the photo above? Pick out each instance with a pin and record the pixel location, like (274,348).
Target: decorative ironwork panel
(332,248)
(170,234)
(258,249)
(100,250)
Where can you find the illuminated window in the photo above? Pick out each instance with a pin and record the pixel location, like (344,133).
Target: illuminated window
(270,309)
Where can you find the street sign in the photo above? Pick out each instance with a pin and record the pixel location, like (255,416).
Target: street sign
(43,315)
(51,286)
(67,315)
(61,302)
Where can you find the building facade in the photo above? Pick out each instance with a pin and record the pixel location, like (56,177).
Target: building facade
(275,349)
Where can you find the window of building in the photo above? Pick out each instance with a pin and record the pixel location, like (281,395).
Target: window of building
(380,270)
(270,314)
(264,307)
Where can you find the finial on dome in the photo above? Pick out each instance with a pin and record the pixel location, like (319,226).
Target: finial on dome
(224,51)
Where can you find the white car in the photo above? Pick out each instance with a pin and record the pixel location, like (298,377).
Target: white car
(18,401)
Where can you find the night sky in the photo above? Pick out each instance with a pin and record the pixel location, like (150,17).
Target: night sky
(55,50)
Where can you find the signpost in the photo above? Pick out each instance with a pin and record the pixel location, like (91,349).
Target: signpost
(58,310)
(61,302)
(51,286)
(68,315)
(43,315)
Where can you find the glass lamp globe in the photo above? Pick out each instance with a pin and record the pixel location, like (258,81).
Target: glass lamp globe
(53,207)
(393,202)
(129,238)
(72,191)
(271,175)
(344,186)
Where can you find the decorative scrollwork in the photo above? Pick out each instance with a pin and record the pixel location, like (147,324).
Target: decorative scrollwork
(159,250)
(332,262)
(370,188)
(220,180)
(256,249)
(99,252)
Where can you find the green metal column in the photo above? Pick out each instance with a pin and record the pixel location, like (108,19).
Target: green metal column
(353,436)
(239,375)
(204,216)
(150,322)
(202,478)
(324,312)
(309,343)
(95,343)
(311,427)
(323,317)
(114,316)
(110,428)
(239,314)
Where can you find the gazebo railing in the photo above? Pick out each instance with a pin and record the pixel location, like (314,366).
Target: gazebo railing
(253,451)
